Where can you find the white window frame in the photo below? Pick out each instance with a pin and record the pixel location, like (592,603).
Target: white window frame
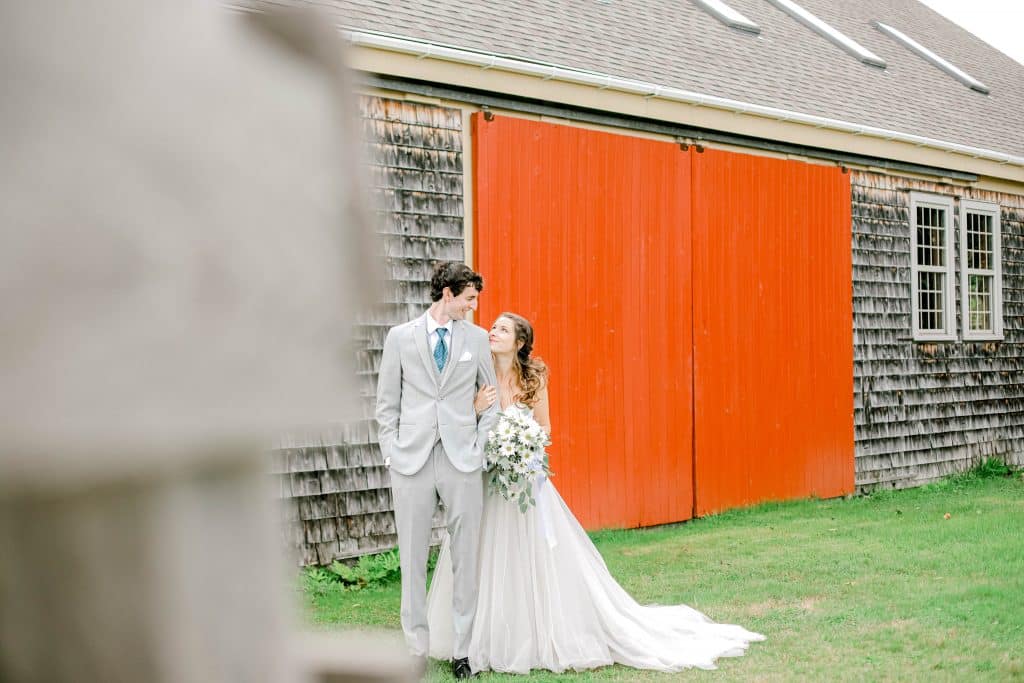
(948,333)
(996,333)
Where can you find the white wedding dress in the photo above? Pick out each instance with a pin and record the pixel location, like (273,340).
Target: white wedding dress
(547,601)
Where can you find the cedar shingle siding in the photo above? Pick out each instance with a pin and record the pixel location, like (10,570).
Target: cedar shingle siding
(924,410)
(338,496)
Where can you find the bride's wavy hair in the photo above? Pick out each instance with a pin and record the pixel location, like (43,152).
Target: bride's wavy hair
(531,373)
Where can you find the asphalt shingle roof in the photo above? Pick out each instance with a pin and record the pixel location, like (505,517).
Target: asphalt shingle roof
(675,43)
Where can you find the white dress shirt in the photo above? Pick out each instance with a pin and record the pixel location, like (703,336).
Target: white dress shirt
(432,328)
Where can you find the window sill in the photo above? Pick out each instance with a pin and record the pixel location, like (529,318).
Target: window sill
(932,340)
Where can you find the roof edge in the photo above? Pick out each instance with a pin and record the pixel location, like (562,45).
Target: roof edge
(428,50)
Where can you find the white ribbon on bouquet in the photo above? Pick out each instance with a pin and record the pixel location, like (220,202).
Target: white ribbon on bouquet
(543,514)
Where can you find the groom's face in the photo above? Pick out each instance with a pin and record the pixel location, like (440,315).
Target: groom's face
(457,307)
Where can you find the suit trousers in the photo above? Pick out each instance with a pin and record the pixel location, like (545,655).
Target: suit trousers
(415,498)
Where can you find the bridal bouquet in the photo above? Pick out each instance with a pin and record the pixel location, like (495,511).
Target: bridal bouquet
(515,457)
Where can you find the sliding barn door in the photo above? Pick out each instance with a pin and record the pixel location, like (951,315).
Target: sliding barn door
(587,234)
(773,340)
(695,309)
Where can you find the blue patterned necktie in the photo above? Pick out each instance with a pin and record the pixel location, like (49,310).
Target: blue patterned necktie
(441,350)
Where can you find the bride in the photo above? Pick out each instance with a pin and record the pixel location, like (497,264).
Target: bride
(546,599)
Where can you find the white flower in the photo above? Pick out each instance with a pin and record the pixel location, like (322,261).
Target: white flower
(515,457)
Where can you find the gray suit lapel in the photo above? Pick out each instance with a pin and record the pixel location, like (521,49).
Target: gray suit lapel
(419,334)
(458,339)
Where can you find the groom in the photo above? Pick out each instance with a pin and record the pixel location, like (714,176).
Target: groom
(432,441)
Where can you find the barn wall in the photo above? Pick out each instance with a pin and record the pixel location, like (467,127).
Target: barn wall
(925,410)
(920,411)
(337,493)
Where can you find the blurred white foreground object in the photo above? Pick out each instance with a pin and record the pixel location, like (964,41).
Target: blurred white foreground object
(181,251)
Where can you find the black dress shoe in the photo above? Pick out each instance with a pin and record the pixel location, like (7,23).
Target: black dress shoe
(460,668)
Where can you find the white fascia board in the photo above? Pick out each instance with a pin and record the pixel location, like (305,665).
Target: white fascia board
(425,50)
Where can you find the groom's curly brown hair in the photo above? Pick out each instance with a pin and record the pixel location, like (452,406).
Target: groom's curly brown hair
(456,277)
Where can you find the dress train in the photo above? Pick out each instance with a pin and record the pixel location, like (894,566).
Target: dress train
(547,601)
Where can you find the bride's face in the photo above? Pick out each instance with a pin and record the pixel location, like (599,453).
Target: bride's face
(503,336)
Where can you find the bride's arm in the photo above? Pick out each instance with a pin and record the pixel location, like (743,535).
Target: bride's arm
(542,411)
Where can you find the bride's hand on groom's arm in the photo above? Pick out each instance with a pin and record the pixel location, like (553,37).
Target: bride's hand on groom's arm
(485,398)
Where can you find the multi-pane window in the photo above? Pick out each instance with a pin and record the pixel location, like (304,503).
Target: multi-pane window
(981,293)
(931,236)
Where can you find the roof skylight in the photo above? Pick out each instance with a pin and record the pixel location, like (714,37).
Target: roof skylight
(727,15)
(914,46)
(841,39)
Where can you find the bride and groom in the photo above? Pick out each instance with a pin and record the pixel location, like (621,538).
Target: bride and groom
(512,591)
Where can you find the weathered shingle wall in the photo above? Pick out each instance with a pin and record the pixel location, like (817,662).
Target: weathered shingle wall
(337,494)
(924,410)
(921,411)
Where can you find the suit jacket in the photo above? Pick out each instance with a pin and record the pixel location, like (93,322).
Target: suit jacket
(415,402)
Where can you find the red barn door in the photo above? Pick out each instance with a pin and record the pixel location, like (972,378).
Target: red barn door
(587,234)
(773,330)
(695,309)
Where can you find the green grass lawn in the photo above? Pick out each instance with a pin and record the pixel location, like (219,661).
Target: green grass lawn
(879,587)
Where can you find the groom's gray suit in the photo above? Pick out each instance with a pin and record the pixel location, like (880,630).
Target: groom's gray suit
(433,442)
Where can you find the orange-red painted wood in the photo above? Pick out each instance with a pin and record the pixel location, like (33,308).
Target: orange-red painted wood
(701,350)
(587,234)
(773,337)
